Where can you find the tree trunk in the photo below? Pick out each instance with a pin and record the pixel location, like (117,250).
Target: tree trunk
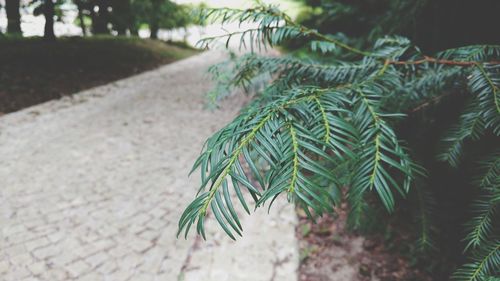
(133,30)
(48,12)
(101,19)
(132,21)
(79,5)
(154,27)
(154,19)
(13,16)
(121,15)
(186,34)
(121,30)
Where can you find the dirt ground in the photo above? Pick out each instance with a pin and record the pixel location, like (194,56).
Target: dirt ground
(33,71)
(330,252)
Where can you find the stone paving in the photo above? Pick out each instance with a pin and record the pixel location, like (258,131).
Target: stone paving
(91,188)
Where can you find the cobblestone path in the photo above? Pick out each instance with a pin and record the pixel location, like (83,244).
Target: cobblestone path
(91,188)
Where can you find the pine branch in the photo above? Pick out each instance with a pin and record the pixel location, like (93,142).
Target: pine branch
(485,262)
(480,227)
(489,172)
(484,83)
(428,59)
(314,120)
(425,207)
(470,126)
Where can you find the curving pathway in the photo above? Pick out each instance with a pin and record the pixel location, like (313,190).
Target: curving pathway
(92,186)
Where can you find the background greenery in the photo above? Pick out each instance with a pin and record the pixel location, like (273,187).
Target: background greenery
(119,17)
(34,70)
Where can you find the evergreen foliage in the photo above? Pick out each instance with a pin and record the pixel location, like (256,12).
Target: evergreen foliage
(322,132)
(432,25)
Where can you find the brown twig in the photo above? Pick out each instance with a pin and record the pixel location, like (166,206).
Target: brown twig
(440,61)
(434,100)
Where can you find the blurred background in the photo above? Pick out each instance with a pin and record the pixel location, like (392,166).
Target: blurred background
(54,48)
(99,41)
(50,49)
(166,20)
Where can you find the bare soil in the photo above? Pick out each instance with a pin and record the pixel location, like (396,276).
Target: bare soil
(330,252)
(33,70)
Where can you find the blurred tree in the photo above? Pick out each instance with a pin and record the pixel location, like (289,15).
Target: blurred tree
(49,13)
(107,15)
(122,16)
(48,10)
(134,24)
(51,10)
(117,15)
(13,16)
(81,19)
(155,16)
(161,14)
(100,11)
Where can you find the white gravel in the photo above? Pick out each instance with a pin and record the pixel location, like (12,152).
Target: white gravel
(92,186)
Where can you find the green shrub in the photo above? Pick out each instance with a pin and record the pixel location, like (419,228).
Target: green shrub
(325,131)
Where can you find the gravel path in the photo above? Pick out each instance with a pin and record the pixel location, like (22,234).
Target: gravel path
(91,187)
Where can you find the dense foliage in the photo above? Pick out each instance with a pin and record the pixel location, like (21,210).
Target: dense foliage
(325,131)
(432,25)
